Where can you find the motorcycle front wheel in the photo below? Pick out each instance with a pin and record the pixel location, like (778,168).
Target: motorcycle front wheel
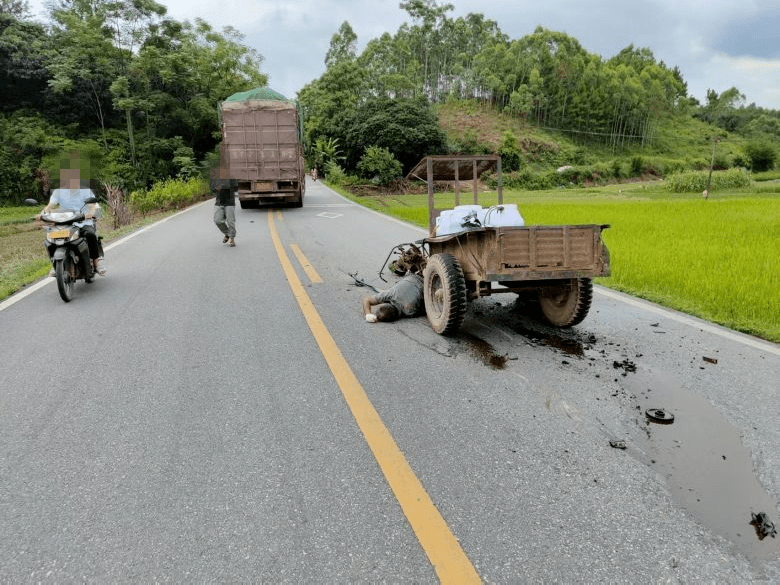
(63,270)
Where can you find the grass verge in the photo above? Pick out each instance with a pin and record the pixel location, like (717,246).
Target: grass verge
(23,259)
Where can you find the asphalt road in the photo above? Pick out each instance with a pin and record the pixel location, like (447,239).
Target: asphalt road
(200,414)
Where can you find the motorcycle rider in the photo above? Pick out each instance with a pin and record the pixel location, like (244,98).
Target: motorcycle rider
(72,196)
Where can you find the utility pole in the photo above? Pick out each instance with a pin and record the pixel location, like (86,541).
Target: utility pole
(712,164)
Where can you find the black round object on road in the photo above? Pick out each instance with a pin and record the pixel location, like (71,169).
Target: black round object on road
(659,415)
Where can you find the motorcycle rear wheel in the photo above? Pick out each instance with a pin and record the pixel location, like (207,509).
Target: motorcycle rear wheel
(63,270)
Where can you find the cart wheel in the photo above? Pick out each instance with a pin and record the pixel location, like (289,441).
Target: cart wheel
(567,304)
(445,293)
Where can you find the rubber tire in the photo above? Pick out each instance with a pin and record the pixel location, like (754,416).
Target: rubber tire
(570,307)
(249,204)
(444,291)
(64,280)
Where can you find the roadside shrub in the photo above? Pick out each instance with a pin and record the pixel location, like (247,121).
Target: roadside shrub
(699,164)
(763,188)
(169,194)
(568,175)
(617,169)
(523,179)
(379,166)
(469,144)
(637,166)
(767,176)
(511,157)
(184,160)
(721,163)
(335,174)
(740,160)
(696,181)
(671,166)
(761,155)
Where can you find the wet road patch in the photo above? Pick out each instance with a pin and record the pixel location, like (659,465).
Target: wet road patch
(482,350)
(707,469)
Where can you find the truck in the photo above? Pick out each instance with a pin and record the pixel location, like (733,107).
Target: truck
(556,264)
(261,147)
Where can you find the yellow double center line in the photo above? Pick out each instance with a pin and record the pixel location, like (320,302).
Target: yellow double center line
(445,553)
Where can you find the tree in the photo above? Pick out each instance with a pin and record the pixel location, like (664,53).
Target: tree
(720,108)
(23,76)
(426,40)
(85,61)
(343,46)
(407,128)
(19,9)
(326,103)
(326,150)
(764,124)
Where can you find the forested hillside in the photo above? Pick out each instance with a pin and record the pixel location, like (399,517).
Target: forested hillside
(138,93)
(134,91)
(561,104)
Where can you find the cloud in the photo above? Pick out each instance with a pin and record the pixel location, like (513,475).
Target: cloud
(758,36)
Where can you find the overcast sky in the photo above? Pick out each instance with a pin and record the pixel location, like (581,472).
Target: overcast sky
(717,44)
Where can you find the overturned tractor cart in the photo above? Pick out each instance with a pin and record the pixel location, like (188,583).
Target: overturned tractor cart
(485,253)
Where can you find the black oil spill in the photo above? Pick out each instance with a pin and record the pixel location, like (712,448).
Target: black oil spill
(483,351)
(568,345)
(707,469)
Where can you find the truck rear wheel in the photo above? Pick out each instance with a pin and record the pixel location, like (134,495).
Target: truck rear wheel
(566,304)
(444,290)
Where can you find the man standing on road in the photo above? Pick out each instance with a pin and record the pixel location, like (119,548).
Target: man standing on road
(403,299)
(224,189)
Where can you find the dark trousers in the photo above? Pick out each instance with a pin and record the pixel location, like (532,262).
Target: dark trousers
(90,234)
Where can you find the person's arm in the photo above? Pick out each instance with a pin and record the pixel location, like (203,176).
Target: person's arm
(53,201)
(368,302)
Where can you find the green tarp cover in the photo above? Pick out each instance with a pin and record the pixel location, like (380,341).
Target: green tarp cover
(259,93)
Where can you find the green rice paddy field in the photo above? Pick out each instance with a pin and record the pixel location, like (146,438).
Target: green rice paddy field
(718,259)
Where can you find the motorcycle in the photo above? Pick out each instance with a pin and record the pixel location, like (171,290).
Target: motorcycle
(68,248)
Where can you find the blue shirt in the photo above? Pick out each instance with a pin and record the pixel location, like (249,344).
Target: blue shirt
(72,199)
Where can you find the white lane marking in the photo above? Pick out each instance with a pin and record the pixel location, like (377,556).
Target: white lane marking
(16,297)
(742,338)
(25,292)
(329,205)
(328,215)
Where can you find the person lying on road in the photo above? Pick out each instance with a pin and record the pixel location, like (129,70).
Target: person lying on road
(403,299)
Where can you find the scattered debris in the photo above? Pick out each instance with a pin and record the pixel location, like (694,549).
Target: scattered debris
(659,415)
(618,443)
(360,282)
(709,360)
(764,527)
(626,365)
